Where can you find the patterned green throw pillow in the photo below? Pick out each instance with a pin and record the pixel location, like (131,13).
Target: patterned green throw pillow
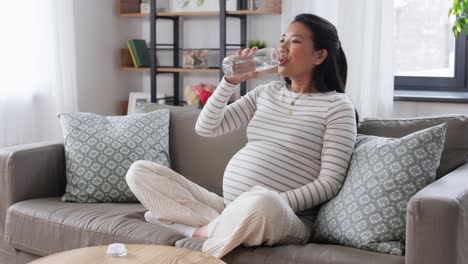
(369,212)
(99,150)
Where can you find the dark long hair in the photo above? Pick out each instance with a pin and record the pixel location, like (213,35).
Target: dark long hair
(331,74)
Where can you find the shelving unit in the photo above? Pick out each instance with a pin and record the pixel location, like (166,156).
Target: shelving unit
(130,9)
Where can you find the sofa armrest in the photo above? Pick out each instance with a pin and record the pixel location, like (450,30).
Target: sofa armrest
(437,221)
(30,171)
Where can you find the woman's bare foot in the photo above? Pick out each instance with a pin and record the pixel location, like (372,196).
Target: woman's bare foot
(201,232)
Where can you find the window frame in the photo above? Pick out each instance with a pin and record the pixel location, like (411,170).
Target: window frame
(458,83)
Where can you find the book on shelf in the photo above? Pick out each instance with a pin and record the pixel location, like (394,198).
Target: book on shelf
(139,52)
(130,50)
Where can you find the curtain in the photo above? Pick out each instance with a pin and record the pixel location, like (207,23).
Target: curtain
(37,69)
(365,28)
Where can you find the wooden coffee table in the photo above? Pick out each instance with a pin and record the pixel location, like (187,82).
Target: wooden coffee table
(135,254)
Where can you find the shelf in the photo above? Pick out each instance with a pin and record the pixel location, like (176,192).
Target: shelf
(135,69)
(164,69)
(216,13)
(126,64)
(134,15)
(254,12)
(207,13)
(168,69)
(176,14)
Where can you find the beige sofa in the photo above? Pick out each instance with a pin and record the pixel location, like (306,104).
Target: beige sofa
(34,222)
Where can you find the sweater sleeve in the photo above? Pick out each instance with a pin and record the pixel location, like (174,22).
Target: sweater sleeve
(218,118)
(338,144)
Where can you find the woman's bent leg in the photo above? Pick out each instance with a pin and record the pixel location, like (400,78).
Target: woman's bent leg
(255,218)
(171,197)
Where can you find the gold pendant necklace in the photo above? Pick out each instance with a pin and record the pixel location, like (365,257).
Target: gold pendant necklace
(293,103)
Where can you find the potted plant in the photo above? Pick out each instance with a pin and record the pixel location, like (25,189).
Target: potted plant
(460,11)
(260,44)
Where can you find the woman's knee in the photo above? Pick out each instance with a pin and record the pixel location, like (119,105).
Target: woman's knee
(263,203)
(137,171)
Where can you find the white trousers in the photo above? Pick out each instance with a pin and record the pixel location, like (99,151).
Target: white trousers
(257,217)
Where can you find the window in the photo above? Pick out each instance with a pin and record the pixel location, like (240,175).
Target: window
(426,55)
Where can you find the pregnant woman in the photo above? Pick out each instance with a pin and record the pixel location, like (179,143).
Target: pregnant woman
(301,133)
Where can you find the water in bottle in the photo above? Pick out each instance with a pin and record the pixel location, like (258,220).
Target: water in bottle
(264,59)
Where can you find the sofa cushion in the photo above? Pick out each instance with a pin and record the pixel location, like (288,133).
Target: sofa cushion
(310,253)
(455,151)
(46,226)
(99,150)
(369,212)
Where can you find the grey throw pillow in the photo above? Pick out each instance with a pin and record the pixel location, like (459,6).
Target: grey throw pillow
(99,150)
(369,212)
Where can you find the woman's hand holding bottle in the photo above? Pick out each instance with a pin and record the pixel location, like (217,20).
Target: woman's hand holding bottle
(248,63)
(242,55)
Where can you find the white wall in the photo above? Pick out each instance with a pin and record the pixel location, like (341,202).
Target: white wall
(100,32)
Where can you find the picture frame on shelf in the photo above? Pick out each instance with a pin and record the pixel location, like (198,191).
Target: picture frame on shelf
(137,99)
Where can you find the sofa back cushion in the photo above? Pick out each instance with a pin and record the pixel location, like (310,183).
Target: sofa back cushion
(456,140)
(200,159)
(369,212)
(99,151)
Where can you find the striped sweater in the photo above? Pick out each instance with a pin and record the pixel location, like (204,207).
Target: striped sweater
(301,150)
